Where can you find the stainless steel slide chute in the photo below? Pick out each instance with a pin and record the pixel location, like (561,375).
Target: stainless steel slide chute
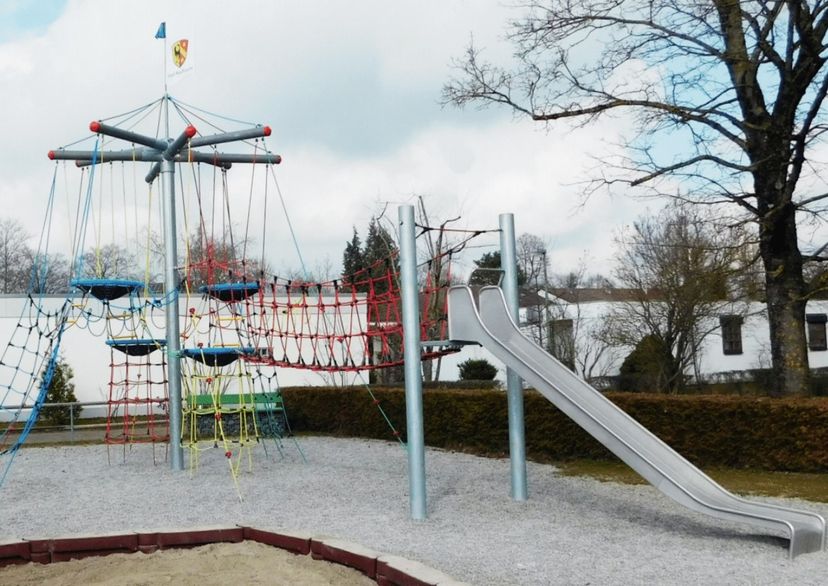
(493,328)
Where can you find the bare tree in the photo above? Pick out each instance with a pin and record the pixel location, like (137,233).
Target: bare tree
(531,257)
(322,272)
(436,277)
(15,255)
(207,260)
(581,278)
(679,270)
(532,262)
(110,261)
(734,87)
(49,273)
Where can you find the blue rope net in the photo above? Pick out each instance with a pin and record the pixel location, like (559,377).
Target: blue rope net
(27,366)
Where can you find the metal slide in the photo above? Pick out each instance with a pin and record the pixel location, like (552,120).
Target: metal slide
(493,328)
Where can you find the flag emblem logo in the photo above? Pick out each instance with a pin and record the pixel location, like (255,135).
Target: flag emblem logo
(179,52)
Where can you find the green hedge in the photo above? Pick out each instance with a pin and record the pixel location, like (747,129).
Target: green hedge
(737,432)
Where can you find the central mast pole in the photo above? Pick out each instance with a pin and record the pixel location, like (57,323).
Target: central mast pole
(171,282)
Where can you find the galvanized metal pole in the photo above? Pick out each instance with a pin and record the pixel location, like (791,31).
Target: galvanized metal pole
(413,371)
(514,387)
(173,346)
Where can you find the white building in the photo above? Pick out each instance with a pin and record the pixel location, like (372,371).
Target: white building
(738,340)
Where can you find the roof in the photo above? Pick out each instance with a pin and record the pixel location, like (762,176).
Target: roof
(591,295)
(526,297)
(529,298)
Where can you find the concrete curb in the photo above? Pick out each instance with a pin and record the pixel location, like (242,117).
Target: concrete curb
(385,570)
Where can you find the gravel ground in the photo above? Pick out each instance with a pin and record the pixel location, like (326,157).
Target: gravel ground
(571,531)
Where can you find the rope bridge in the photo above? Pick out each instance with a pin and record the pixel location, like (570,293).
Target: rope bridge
(348,324)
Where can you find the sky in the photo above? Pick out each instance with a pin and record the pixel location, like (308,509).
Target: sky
(351,91)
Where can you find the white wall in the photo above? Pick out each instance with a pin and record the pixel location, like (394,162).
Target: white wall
(755,343)
(755,338)
(84,348)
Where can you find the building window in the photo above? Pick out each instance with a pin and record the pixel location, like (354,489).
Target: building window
(533,314)
(816,331)
(731,334)
(562,341)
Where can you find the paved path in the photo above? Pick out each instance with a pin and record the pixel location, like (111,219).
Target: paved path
(80,434)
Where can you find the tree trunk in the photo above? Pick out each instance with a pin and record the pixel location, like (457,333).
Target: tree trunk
(785,288)
(428,371)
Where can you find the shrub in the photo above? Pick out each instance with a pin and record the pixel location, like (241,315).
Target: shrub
(477,369)
(736,432)
(649,367)
(61,390)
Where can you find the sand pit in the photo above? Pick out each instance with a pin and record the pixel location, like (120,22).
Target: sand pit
(216,564)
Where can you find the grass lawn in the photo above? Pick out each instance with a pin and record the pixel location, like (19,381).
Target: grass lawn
(812,487)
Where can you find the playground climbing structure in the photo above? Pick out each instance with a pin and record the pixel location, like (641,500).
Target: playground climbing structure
(200,329)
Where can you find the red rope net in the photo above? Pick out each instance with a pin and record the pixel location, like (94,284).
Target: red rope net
(138,399)
(348,324)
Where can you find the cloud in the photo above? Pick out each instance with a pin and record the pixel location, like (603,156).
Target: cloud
(478,173)
(351,92)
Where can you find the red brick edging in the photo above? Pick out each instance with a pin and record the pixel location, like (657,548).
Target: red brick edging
(386,570)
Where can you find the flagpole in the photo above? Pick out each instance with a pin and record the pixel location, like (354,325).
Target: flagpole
(165,63)
(166,93)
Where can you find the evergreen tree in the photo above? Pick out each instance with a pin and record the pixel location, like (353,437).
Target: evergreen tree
(489,274)
(477,369)
(379,254)
(379,244)
(61,390)
(353,259)
(376,265)
(650,367)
